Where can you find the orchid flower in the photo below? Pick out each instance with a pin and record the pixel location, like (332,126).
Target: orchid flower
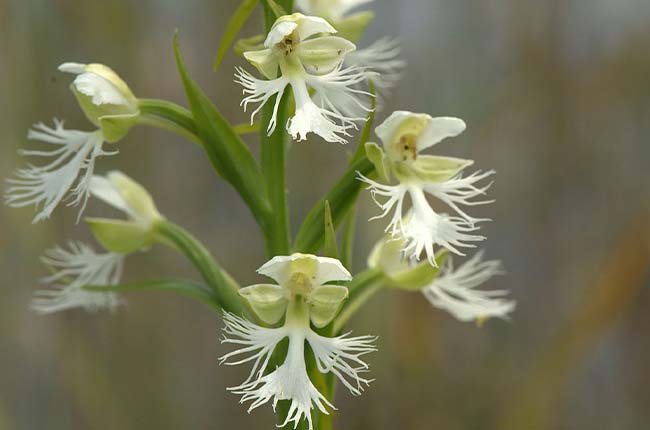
(109,104)
(306,60)
(404,135)
(302,296)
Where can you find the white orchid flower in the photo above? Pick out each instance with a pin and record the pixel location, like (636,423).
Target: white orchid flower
(300,297)
(404,136)
(306,60)
(74,269)
(109,104)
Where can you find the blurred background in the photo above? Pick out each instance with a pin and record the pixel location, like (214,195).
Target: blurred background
(557,98)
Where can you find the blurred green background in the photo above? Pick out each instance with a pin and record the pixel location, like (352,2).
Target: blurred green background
(556,94)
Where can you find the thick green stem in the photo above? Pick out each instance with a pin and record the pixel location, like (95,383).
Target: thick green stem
(169,116)
(274,171)
(224,287)
(273,148)
(362,288)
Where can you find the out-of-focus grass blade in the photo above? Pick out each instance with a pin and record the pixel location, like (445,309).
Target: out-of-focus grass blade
(329,249)
(237,20)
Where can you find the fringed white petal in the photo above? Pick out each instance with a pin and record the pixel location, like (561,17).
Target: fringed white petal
(394,195)
(289,381)
(425,229)
(381,58)
(454,290)
(341,356)
(462,191)
(260,91)
(75,268)
(74,153)
(338,93)
(309,118)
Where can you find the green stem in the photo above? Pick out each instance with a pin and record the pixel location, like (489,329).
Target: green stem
(183,287)
(224,287)
(362,288)
(274,158)
(180,117)
(274,171)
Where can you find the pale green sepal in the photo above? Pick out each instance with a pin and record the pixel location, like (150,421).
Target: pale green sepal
(432,168)
(136,196)
(352,27)
(322,54)
(377,157)
(121,237)
(264,61)
(115,127)
(268,301)
(325,303)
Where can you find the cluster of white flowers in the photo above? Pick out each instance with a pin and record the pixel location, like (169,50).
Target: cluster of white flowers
(329,81)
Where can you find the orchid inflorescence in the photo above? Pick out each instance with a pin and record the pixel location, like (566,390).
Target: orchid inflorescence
(311,80)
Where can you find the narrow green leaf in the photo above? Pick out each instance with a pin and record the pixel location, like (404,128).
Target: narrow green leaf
(277,10)
(241,129)
(329,249)
(183,287)
(237,20)
(229,155)
(342,198)
(253,43)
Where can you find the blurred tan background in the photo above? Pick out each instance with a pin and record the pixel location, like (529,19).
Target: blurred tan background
(556,94)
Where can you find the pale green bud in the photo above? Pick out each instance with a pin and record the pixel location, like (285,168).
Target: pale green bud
(105,98)
(402,272)
(123,193)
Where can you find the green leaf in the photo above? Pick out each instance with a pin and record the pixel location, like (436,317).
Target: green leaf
(229,155)
(181,286)
(277,10)
(237,20)
(253,43)
(330,249)
(224,287)
(341,197)
(241,129)
(378,158)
